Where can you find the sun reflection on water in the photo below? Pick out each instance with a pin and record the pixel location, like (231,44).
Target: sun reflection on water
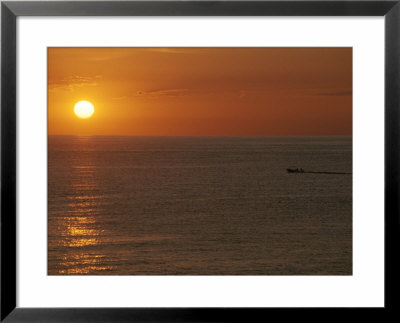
(79,234)
(79,250)
(83,263)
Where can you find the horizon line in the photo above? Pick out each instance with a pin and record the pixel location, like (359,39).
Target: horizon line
(86,135)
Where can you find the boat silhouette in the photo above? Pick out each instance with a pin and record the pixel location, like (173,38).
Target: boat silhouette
(295,170)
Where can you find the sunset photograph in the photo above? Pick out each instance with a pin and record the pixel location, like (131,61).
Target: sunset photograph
(200,161)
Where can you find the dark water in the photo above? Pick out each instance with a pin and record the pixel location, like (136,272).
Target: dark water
(199,206)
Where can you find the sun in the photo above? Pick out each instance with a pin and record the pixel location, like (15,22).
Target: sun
(84,109)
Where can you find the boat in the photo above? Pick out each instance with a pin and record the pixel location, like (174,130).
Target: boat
(295,170)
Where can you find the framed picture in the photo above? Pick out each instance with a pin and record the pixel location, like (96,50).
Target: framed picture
(198,160)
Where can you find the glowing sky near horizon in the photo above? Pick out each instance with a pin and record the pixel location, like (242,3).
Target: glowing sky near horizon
(201,91)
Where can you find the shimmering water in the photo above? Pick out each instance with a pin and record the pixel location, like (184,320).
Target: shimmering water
(199,206)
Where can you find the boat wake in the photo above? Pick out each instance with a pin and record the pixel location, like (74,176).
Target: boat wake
(302,171)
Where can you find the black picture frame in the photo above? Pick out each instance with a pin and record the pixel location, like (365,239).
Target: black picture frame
(10,10)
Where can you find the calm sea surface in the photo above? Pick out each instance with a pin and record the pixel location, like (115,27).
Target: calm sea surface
(199,206)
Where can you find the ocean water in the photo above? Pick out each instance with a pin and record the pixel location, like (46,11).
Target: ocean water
(199,206)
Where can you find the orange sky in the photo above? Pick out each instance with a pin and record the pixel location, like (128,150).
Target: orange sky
(202,91)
